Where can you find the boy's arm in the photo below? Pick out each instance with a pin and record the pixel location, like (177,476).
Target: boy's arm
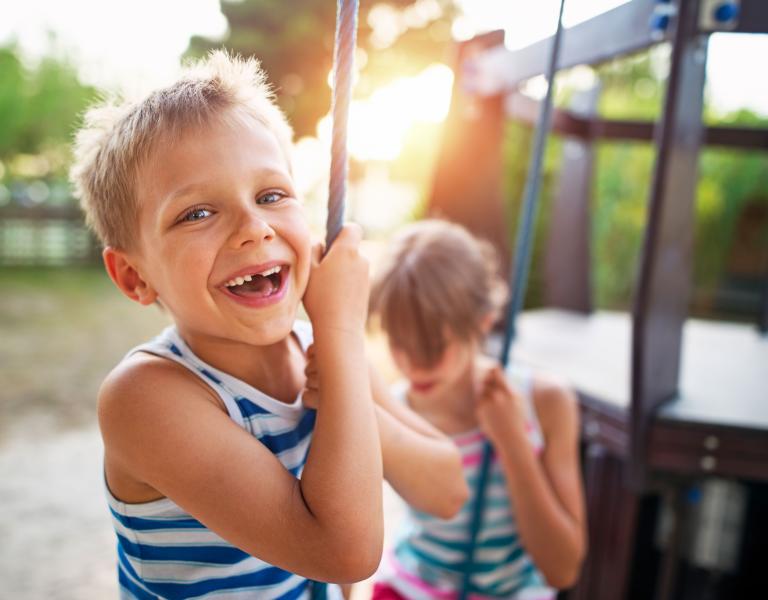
(546,492)
(165,431)
(420,462)
(341,482)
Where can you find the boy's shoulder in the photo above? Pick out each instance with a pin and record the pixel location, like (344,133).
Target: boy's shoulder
(137,387)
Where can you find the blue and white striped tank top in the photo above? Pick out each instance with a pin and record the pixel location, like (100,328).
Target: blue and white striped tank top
(427,559)
(163,552)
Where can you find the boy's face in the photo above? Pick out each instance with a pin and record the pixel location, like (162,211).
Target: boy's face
(224,243)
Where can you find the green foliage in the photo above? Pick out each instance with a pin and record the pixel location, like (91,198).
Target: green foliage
(11,101)
(39,109)
(295,47)
(621,187)
(517,148)
(729,181)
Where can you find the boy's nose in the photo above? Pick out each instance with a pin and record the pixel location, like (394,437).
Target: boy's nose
(251,228)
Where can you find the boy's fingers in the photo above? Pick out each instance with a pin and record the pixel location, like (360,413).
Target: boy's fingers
(351,234)
(309,398)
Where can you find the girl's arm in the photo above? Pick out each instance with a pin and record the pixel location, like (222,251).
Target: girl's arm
(546,491)
(420,462)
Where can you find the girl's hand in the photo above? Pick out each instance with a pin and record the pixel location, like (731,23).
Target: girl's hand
(337,293)
(310,397)
(500,411)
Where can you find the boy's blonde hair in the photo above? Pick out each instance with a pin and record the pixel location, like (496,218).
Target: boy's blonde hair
(436,280)
(117,138)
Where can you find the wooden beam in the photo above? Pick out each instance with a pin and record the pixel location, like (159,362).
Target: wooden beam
(731,137)
(664,283)
(753,17)
(565,122)
(567,267)
(612,514)
(614,33)
(467,184)
(520,107)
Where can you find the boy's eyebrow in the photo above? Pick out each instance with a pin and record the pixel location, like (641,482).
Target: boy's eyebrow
(185,190)
(190,188)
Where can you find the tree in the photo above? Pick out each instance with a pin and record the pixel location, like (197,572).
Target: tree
(39,108)
(295,46)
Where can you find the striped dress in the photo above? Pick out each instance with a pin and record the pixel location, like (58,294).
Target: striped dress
(163,552)
(429,553)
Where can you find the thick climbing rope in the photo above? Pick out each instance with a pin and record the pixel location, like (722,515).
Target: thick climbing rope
(343,62)
(519,280)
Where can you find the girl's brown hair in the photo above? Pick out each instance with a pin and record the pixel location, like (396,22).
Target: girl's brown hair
(436,280)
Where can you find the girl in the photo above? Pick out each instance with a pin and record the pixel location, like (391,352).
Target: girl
(437,296)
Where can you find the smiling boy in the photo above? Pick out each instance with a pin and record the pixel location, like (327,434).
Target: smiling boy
(219,479)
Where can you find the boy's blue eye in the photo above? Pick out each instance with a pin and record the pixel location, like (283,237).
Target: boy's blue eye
(270,198)
(196,214)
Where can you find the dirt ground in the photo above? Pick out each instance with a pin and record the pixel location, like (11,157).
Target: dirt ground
(60,333)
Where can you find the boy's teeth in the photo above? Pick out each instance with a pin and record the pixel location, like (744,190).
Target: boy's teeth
(244,278)
(275,269)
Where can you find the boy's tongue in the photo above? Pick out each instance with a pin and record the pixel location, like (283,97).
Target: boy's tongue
(258,286)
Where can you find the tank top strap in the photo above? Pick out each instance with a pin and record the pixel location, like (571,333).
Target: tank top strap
(170,345)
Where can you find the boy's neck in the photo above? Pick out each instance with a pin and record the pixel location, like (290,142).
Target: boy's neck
(276,370)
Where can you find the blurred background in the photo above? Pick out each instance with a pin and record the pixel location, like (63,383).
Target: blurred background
(63,326)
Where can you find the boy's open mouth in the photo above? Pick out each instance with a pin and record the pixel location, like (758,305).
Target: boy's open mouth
(258,285)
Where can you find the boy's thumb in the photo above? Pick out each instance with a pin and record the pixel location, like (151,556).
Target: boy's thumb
(351,233)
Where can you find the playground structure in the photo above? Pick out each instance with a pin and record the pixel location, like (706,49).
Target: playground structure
(674,410)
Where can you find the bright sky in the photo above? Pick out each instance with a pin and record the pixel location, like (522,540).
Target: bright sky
(138,44)
(116,43)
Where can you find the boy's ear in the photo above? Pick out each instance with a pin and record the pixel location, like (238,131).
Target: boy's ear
(122,270)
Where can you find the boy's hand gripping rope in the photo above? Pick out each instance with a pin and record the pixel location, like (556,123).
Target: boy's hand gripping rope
(343,61)
(519,279)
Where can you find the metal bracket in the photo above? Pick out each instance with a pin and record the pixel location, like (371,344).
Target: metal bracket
(719,15)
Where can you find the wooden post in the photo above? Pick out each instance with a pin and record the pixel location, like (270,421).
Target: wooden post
(612,511)
(664,283)
(568,257)
(467,182)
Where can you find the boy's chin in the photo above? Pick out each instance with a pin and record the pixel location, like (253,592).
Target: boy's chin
(275,331)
